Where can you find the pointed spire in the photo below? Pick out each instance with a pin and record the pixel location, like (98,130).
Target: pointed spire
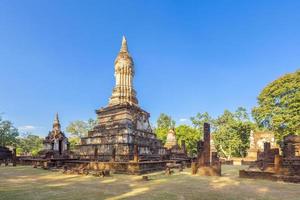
(124,45)
(56,119)
(56,124)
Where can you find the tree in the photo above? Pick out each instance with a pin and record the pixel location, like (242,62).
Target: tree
(29,144)
(164,123)
(74,140)
(278,107)
(190,135)
(80,128)
(232,132)
(8,133)
(199,120)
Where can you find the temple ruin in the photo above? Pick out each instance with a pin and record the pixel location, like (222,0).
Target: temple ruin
(122,124)
(56,144)
(272,165)
(122,140)
(174,151)
(257,140)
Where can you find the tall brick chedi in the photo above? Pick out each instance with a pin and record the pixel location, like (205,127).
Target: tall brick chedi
(123,130)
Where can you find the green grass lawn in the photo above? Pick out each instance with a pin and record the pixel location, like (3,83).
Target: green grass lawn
(27,183)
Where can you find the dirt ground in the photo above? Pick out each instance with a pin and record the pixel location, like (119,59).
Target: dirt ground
(27,183)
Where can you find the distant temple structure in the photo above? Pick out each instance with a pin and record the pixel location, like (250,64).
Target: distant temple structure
(272,165)
(174,151)
(257,140)
(171,139)
(123,131)
(56,144)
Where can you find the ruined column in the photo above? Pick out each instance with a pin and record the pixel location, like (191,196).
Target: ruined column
(267,147)
(194,167)
(14,157)
(200,153)
(277,163)
(206,144)
(45,165)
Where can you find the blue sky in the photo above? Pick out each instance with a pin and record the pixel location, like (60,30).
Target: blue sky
(190,56)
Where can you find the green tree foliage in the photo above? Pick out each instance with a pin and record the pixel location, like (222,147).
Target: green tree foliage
(199,120)
(74,140)
(29,144)
(80,128)
(190,135)
(8,133)
(232,132)
(278,107)
(164,123)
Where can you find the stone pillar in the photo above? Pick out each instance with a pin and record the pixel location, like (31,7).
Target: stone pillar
(14,157)
(267,147)
(206,143)
(277,163)
(136,153)
(45,165)
(194,167)
(200,153)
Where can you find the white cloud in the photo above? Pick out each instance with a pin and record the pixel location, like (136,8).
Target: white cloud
(183,120)
(27,128)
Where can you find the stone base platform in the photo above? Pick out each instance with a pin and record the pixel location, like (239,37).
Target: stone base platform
(257,175)
(268,176)
(115,167)
(119,167)
(214,170)
(247,162)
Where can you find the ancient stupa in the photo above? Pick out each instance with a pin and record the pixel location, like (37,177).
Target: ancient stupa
(56,143)
(123,130)
(171,139)
(174,151)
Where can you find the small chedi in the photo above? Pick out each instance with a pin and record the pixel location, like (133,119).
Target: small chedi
(56,150)
(273,166)
(174,151)
(56,144)
(207,162)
